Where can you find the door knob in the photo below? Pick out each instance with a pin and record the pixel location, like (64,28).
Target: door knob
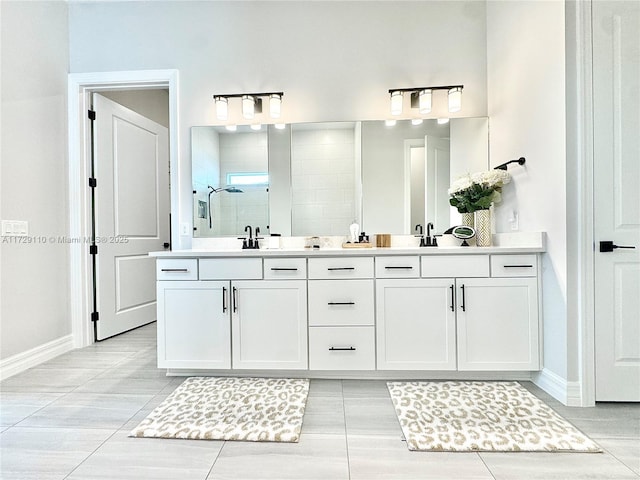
(609,246)
(166,244)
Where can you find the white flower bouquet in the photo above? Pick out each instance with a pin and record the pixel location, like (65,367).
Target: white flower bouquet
(478,191)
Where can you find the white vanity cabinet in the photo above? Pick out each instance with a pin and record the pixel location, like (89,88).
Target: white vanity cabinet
(268,316)
(341,314)
(193,318)
(269,324)
(498,317)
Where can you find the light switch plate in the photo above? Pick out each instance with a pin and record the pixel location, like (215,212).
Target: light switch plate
(15,228)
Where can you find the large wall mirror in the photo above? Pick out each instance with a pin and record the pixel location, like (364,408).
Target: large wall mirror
(317,178)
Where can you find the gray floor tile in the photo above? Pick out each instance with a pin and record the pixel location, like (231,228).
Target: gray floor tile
(371,416)
(46,453)
(625,450)
(88,410)
(16,406)
(556,466)
(322,457)
(325,388)
(87,358)
(150,386)
(149,458)
(324,415)
(365,388)
(380,457)
(48,380)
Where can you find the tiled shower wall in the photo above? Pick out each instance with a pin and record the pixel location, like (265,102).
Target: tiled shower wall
(323,181)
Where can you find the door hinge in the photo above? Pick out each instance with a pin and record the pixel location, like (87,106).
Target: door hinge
(93,249)
(95,316)
(92,114)
(93,182)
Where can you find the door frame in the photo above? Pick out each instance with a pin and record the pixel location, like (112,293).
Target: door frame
(582,223)
(79,89)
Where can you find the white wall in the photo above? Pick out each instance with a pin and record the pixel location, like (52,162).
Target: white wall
(34,285)
(334,60)
(526,106)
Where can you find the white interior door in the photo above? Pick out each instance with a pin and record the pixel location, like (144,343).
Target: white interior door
(437,154)
(616,96)
(131,159)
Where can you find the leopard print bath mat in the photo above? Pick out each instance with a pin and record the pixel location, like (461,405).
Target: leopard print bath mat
(212,408)
(481,416)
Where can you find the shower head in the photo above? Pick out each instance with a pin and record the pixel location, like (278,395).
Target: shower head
(225,189)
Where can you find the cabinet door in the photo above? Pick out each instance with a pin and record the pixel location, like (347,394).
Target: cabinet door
(194,324)
(416,327)
(269,324)
(498,327)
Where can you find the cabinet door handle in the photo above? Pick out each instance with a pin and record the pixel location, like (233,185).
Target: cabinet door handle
(283,269)
(235,300)
(335,349)
(183,270)
(398,268)
(517,266)
(463,306)
(341,303)
(340,268)
(452,306)
(224,299)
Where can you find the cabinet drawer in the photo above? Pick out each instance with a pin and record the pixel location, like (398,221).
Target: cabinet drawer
(177,269)
(275,268)
(398,267)
(341,348)
(514,266)
(341,267)
(341,302)
(455,266)
(230,269)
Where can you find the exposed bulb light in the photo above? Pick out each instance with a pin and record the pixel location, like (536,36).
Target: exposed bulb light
(416,121)
(248,106)
(443,121)
(424,101)
(280,126)
(231,128)
(222,108)
(390,122)
(455,99)
(396,103)
(275,105)
(256,126)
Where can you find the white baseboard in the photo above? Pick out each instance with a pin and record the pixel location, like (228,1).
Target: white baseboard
(22,361)
(569,393)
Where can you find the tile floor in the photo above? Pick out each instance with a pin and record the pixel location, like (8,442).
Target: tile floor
(69,419)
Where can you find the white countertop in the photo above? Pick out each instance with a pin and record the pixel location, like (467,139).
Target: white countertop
(503,243)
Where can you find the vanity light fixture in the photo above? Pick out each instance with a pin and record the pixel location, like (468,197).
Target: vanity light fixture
(442,121)
(231,128)
(416,121)
(390,122)
(251,104)
(280,126)
(256,126)
(222,107)
(421,98)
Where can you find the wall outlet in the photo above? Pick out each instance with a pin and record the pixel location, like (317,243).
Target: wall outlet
(15,228)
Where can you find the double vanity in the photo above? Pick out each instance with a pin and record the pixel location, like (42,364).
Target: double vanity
(351,312)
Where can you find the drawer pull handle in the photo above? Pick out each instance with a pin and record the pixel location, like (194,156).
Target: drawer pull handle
(341,303)
(335,349)
(183,270)
(518,266)
(398,268)
(340,268)
(283,269)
